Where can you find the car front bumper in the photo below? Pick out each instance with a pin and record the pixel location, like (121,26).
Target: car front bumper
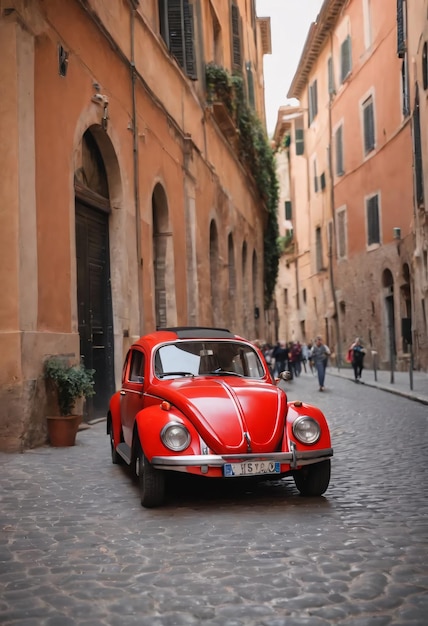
(295,458)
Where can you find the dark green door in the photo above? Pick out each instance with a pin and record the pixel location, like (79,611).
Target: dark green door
(94,303)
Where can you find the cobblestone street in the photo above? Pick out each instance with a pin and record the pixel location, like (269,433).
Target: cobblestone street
(76,547)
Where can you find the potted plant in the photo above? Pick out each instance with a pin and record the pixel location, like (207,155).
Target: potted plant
(69,383)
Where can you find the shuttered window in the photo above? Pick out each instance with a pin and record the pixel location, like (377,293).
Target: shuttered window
(236,38)
(340,170)
(177,30)
(313,101)
(330,75)
(288,211)
(401,28)
(345,59)
(373,228)
(368,124)
(417,148)
(318,248)
(250,85)
(341,234)
(299,137)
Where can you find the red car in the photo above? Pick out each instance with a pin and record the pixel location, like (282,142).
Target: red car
(202,401)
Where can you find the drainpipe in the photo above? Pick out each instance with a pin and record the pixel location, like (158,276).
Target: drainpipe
(332,247)
(134,4)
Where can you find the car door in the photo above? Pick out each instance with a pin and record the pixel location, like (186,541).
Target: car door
(132,392)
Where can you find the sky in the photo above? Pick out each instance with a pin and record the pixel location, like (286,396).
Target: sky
(290,22)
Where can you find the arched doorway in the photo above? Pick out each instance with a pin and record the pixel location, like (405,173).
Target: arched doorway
(163,261)
(388,293)
(94,303)
(406,308)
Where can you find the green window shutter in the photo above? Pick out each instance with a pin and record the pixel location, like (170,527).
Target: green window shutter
(345,58)
(250,85)
(288,211)
(313,101)
(369,133)
(331,89)
(236,37)
(177,30)
(401,29)
(189,39)
(339,152)
(300,141)
(373,229)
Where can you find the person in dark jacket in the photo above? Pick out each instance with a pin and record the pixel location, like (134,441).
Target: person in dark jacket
(357,358)
(280,354)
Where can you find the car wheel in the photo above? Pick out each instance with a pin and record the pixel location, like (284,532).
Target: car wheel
(151,482)
(115,457)
(313,480)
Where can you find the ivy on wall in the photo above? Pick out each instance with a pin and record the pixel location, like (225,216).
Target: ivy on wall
(257,155)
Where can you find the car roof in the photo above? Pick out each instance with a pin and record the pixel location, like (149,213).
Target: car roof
(185,332)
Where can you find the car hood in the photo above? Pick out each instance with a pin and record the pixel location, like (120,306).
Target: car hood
(233,415)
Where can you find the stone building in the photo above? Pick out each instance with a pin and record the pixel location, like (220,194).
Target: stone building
(126,204)
(352,187)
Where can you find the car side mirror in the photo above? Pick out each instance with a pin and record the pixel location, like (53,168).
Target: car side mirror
(285,375)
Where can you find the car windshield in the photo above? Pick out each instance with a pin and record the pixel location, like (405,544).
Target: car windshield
(199,358)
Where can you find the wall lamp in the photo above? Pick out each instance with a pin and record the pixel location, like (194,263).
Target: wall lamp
(102,100)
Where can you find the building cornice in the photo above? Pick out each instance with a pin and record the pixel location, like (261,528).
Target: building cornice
(315,41)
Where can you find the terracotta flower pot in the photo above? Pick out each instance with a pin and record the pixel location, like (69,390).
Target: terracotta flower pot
(62,430)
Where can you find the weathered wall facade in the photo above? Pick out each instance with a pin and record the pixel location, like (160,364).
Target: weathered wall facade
(359,154)
(122,198)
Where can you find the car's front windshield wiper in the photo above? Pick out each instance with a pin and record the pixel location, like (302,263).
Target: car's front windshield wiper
(222,372)
(164,374)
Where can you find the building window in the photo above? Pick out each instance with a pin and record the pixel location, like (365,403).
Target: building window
(368,125)
(405,96)
(340,169)
(299,137)
(417,151)
(318,248)
(345,59)
(236,37)
(316,183)
(304,296)
(425,66)
(401,28)
(250,85)
(373,222)
(330,75)
(288,211)
(313,101)
(285,297)
(177,30)
(341,234)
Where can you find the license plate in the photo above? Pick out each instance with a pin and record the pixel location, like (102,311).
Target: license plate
(251,468)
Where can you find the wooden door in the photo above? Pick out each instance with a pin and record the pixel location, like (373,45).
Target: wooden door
(94,303)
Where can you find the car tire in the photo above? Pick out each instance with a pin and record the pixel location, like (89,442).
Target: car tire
(313,480)
(116,459)
(151,483)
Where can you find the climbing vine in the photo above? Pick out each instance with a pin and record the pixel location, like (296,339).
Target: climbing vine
(257,155)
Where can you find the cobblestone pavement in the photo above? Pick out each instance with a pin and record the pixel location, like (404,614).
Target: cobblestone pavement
(76,547)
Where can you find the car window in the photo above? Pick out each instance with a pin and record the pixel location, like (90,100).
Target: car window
(136,370)
(208,357)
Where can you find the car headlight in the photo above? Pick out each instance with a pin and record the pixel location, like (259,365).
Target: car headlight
(306,429)
(175,436)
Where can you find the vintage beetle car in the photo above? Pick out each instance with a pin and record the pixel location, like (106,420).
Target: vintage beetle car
(202,401)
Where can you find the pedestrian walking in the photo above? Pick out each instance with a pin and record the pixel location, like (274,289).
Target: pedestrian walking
(296,358)
(280,354)
(357,353)
(305,355)
(319,355)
